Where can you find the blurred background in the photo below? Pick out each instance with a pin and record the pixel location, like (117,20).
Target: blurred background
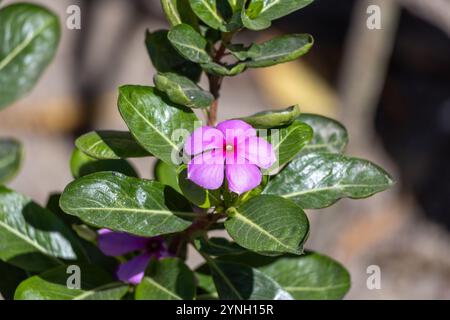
(389,86)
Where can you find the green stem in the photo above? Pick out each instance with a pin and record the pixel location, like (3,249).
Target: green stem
(215,82)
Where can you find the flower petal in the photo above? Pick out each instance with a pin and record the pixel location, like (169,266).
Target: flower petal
(235,131)
(242,177)
(133,270)
(113,243)
(206,169)
(203,139)
(258,151)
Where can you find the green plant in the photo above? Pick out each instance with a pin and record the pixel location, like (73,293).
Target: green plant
(291,162)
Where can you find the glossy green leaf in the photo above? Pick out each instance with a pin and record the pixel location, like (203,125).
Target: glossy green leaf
(310,277)
(239,51)
(189,43)
(218,246)
(95,284)
(86,236)
(11,154)
(274,9)
(273,118)
(208,12)
(231,11)
(199,196)
(329,135)
(260,13)
(110,144)
(114,201)
(81,164)
(165,58)
(288,141)
(166,174)
(240,282)
(317,180)
(154,120)
(269,225)
(236,5)
(29,36)
(206,289)
(179,11)
(305,277)
(254,23)
(53,205)
(279,50)
(167,279)
(183,91)
(32,237)
(223,15)
(222,70)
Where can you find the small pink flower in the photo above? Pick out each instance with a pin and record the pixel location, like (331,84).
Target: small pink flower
(232,147)
(114,244)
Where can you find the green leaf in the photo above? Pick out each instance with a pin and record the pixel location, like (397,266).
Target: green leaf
(81,164)
(223,70)
(95,284)
(199,196)
(53,206)
(11,154)
(273,118)
(206,289)
(274,9)
(310,277)
(317,180)
(167,279)
(154,120)
(236,5)
(114,201)
(179,11)
(166,59)
(218,246)
(240,282)
(279,50)
(31,237)
(86,236)
(239,51)
(11,277)
(29,36)
(208,12)
(189,43)
(110,144)
(329,135)
(288,141)
(269,225)
(262,12)
(166,174)
(231,11)
(183,91)
(254,24)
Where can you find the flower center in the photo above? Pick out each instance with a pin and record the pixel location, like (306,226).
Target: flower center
(229,147)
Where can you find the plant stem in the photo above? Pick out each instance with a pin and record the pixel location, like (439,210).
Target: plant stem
(214,87)
(215,82)
(200,225)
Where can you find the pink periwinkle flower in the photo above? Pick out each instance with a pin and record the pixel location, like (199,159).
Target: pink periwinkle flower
(115,244)
(232,149)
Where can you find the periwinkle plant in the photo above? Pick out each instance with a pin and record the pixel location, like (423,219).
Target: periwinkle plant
(252,176)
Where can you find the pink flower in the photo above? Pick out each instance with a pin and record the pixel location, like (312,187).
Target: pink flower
(114,244)
(232,148)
